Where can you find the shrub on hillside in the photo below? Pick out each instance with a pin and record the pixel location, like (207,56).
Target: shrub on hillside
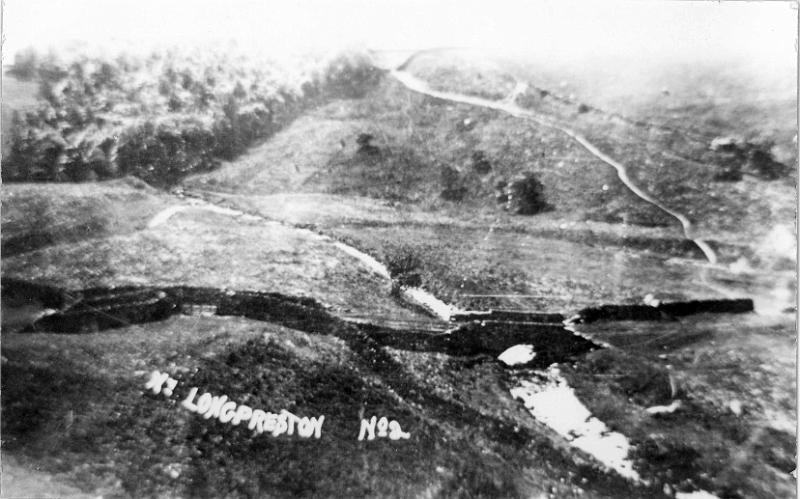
(454,193)
(365,145)
(238,127)
(525,195)
(481,163)
(34,154)
(26,64)
(736,156)
(453,188)
(404,264)
(728,174)
(761,163)
(350,76)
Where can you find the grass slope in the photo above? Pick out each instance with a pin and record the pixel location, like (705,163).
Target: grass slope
(199,248)
(115,438)
(389,202)
(733,377)
(39,215)
(659,123)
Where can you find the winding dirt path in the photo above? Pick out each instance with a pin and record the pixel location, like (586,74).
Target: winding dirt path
(508,106)
(414,295)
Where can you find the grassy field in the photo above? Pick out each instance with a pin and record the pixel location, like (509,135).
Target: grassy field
(36,215)
(208,249)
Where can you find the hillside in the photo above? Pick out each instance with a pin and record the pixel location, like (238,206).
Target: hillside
(432,260)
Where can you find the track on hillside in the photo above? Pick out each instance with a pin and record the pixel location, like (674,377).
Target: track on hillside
(509,106)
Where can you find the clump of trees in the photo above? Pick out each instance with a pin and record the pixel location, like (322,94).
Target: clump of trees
(351,75)
(405,265)
(162,116)
(481,163)
(522,194)
(365,145)
(735,156)
(452,183)
(525,195)
(26,64)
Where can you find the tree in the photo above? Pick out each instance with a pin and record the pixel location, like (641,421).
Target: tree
(26,64)
(525,195)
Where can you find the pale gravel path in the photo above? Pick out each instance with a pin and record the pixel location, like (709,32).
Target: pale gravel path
(509,106)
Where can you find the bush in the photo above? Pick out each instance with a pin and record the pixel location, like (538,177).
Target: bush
(26,64)
(34,155)
(761,163)
(452,184)
(737,156)
(480,163)
(365,145)
(728,174)
(525,195)
(404,265)
(351,76)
